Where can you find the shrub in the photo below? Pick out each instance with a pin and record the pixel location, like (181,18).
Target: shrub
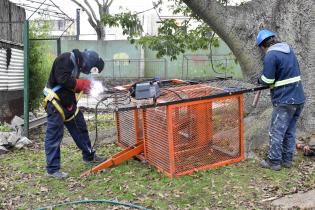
(40,61)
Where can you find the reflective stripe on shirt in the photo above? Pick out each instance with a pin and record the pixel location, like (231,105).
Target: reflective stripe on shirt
(287,81)
(266,80)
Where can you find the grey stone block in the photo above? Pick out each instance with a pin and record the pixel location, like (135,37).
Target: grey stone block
(13,138)
(24,141)
(17,121)
(3,138)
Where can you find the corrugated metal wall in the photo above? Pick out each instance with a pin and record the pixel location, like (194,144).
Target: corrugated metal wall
(11,78)
(3,70)
(12,75)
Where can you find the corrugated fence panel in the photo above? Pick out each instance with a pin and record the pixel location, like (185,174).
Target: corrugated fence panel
(3,70)
(12,78)
(16,71)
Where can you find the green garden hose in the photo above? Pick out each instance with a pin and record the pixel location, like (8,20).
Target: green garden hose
(92,201)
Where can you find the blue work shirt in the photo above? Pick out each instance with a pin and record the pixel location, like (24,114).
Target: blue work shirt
(282,73)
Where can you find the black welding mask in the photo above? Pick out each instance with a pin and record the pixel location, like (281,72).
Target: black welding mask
(91,62)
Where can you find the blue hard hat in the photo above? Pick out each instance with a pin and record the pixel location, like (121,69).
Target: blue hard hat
(91,59)
(264,34)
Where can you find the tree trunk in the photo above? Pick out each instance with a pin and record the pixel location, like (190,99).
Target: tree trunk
(292,20)
(100,31)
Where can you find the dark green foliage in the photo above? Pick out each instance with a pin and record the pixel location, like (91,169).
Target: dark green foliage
(40,62)
(129,23)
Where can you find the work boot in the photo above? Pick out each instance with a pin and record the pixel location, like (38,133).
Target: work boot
(287,164)
(95,159)
(58,175)
(268,164)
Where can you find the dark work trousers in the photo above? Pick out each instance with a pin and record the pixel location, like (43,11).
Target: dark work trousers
(282,132)
(54,134)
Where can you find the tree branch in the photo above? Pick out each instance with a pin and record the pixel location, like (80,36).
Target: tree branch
(93,24)
(98,3)
(92,11)
(90,18)
(108,3)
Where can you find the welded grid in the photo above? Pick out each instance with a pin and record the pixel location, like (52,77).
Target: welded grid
(206,134)
(157,148)
(226,127)
(126,129)
(191,136)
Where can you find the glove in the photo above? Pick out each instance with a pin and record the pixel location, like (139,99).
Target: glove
(82,84)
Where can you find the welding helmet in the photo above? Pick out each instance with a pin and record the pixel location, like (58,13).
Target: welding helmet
(264,34)
(91,61)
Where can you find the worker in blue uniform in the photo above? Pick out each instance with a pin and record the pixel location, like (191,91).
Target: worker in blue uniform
(61,106)
(282,73)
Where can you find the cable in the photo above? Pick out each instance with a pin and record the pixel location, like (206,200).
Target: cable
(174,93)
(93,201)
(210,55)
(118,99)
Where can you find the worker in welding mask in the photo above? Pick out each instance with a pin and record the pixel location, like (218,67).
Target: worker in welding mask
(281,73)
(61,106)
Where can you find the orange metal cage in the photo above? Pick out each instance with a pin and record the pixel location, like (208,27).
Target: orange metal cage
(185,137)
(129,129)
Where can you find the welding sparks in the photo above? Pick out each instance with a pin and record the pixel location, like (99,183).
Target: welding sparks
(97,88)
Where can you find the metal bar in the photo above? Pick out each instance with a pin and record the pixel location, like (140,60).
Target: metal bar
(40,3)
(78,24)
(165,69)
(26,76)
(118,128)
(36,9)
(136,124)
(241,116)
(58,46)
(195,99)
(117,159)
(144,133)
(40,9)
(42,39)
(66,29)
(187,70)
(169,112)
(37,122)
(60,10)
(32,10)
(216,55)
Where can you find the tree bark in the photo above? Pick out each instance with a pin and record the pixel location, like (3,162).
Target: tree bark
(94,21)
(292,20)
(100,31)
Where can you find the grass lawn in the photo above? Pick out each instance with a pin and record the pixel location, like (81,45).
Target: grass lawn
(23,184)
